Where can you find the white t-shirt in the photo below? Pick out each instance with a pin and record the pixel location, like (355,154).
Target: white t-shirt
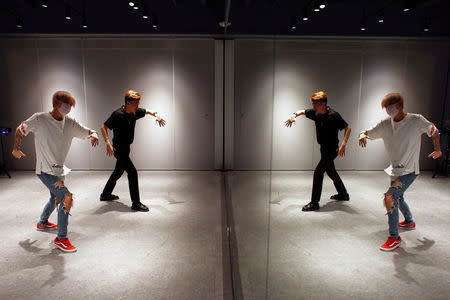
(402,141)
(52,139)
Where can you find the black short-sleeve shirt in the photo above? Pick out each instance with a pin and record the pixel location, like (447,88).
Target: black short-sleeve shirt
(122,124)
(327,127)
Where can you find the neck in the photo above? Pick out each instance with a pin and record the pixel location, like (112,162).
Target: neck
(56,114)
(400,116)
(128,110)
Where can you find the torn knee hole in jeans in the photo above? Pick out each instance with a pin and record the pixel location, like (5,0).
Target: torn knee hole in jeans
(68,203)
(389,202)
(59,184)
(397,184)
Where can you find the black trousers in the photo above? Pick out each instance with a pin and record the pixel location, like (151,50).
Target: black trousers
(123,163)
(326,164)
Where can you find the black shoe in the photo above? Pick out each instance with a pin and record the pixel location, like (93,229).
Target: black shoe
(139,207)
(108,197)
(340,197)
(311,206)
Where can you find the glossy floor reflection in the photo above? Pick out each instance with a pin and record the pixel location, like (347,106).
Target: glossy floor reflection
(285,253)
(172,252)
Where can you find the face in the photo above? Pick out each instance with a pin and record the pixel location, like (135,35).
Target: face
(132,106)
(63,108)
(394,109)
(319,107)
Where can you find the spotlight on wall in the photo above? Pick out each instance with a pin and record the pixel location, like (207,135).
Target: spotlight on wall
(68,12)
(131,3)
(44,3)
(19,22)
(380,16)
(136,5)
(305,16)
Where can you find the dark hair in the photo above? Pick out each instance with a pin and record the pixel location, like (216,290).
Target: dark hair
(63,96)
(392,98)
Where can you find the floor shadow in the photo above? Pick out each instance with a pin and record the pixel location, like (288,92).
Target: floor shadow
(338,206)
(55,259)
(293,207)
(402,258)
(112,206)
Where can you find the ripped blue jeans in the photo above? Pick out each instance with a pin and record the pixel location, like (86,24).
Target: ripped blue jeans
(397,193)
(56,191)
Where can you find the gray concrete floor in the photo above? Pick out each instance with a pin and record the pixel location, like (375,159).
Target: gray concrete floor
(172,252)
(175,250)
(285,253)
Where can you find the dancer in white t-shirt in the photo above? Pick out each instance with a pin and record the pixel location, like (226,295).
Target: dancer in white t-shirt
(401,133)
(53,134)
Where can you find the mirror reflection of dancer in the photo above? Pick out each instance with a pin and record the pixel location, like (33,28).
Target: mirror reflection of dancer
(122,122)
(53,134)
(328,123)
(401,133)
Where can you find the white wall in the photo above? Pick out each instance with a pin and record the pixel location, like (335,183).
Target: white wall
(174,76)
(274,78)
(265,81)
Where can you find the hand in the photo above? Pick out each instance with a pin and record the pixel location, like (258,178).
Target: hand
(160,121)
(435,154)
(110,150)
(363,140)
(290,121)
(18,154)
(94,139)
(341,150)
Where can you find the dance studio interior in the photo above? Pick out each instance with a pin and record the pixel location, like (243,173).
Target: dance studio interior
(225,149)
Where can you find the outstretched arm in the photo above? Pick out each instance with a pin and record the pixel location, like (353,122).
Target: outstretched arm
(291,120)
(159,120)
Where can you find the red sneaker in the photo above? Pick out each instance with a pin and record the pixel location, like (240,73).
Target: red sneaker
(65,245)
(406,225)
(47,227)
(391,243)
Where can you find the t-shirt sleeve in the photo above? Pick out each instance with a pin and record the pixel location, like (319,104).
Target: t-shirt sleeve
(140,113)
(426,126)
(310,114)
(30,125)
(340,122)
(79,130)
(111,122)
(376,132)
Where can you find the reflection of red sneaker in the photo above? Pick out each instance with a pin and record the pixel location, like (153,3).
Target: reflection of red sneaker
(406,225)
(65,245)
(391,243)
(47,227)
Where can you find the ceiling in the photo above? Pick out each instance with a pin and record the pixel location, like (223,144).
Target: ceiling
(254,17)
